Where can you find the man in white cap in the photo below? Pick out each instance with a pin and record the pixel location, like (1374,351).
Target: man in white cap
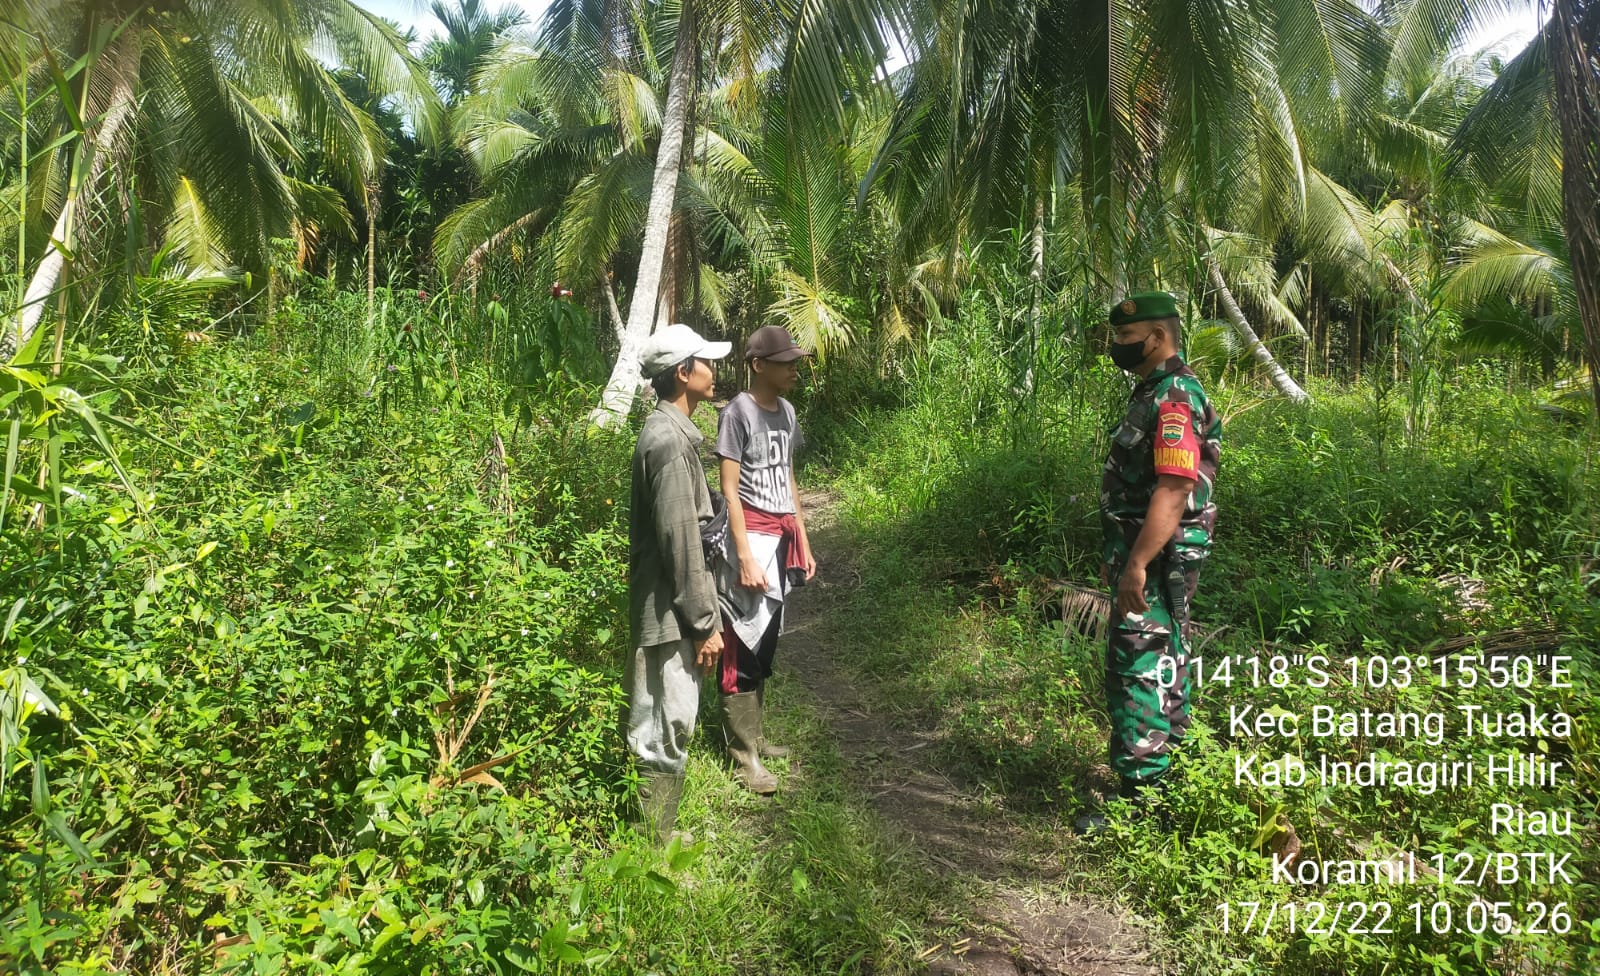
(672,598)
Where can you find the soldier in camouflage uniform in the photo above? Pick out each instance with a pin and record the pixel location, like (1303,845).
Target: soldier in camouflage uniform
(1157,513)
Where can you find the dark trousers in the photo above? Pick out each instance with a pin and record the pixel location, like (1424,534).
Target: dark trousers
(744,668)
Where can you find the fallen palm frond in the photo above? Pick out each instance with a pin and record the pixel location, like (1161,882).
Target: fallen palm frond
(1517,640)
(1083,609)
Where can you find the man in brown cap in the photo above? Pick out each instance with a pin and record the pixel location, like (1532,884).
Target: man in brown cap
(768,550)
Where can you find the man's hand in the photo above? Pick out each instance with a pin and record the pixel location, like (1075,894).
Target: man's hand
(751,575)
(1130,590)
(707,652)
(808,560)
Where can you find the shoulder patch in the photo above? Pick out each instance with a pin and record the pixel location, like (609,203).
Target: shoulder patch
(1174,423)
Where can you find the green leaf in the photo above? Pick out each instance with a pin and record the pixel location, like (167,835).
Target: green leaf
(57,820)
(383,938)
(525,958)
(679,858)
(41,791)
(554,937)
(11,619)
(13,440)
(660,883)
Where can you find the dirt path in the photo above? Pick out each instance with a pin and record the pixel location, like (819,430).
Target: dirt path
(1023,930)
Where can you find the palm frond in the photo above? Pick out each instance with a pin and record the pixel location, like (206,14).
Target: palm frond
(1424,31)
(322,207)
(711,293)
(1504,327)
(1338,229)
(634,108)
(811,314)
(191,232)
(1494,266)
(603,209)
(478,228)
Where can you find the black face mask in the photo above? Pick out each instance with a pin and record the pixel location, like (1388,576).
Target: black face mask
(1128,355)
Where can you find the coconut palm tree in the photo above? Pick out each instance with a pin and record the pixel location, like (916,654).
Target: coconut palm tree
(606,105)
(1185,142)
(471,33)
(1575,27)
(1181,108)
(192,102)
(820,50)
(1512,275)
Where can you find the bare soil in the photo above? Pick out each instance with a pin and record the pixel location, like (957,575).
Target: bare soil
(1020,927)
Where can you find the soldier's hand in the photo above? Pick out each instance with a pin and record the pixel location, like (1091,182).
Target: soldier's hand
(707,651)
(1130,590)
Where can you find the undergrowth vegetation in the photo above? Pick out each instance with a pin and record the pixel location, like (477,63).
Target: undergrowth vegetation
(1340,534)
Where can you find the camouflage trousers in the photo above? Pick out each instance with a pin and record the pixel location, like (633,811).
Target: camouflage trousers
(1147,679)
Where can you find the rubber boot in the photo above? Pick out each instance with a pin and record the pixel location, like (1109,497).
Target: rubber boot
(1091,824)
(768,750)
(741,724)
(659,795)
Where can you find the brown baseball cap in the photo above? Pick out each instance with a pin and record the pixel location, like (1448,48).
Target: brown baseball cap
(775,343)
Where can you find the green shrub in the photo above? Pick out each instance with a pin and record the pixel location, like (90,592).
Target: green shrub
(348,678)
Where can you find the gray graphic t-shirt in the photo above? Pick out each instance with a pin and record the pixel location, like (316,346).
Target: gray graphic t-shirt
(763,442)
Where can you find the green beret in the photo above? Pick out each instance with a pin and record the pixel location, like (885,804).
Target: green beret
(1143,306)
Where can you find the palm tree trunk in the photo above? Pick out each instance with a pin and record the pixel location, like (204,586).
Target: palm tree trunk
(1577,23)
(1036,285)
(1280,377)
(612,309)
(1359,346)
(624,383)
(48,276)
(372,247)
(667,290)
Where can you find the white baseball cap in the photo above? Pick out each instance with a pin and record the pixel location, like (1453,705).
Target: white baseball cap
(672,345)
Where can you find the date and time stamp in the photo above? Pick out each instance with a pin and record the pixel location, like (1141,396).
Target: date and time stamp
(1379,917)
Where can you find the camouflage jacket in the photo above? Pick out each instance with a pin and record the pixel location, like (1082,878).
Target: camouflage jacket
(1170,427)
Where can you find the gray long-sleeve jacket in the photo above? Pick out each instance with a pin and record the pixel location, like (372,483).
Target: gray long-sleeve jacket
(671,593)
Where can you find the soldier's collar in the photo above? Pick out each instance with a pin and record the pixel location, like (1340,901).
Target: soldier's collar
(1167,368)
